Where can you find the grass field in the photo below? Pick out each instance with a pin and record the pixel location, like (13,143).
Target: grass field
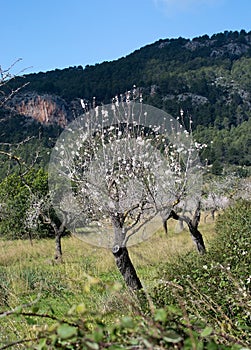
(28,273)
(191,301)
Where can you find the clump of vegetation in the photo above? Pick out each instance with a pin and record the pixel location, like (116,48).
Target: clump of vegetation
(214,290)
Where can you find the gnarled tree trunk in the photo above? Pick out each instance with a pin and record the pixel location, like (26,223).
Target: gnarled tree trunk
(193,228)
(121,254)
(58,235)
(58,248)
(126,267)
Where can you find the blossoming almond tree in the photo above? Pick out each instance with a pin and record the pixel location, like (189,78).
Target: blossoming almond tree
(42,212)
(124,167)
(218,193)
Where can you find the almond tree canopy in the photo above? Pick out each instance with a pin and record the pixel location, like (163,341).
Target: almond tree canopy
(125,160)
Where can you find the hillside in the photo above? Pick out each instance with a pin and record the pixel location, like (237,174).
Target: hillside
(208,77)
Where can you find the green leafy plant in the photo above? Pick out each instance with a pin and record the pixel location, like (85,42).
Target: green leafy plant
(215,289)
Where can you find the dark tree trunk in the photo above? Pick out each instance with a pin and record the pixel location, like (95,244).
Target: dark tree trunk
(197,237)
(213,214)
(58,231)
(193,228)
(121,254)
(195,233)
(58,235)
(30,238)
(126,267)
(58,248)
(165,226)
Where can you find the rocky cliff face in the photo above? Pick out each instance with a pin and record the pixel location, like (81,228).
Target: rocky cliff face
(47,109)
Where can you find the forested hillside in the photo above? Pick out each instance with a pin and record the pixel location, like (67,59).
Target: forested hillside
(208,77)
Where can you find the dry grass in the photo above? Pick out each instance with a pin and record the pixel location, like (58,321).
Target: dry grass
(159,248)
(26,268)
(29,271)
(162,247)
(24,265)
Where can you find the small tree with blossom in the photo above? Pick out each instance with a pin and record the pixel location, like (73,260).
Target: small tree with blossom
(41,212)
(218,193)
(125,166)
(244,190)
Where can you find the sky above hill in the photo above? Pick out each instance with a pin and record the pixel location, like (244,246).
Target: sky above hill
(52,34)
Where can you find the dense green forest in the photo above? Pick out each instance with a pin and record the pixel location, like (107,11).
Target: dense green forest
(207,77)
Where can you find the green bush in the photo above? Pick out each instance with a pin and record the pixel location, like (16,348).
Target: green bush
(214,289)
(16,195)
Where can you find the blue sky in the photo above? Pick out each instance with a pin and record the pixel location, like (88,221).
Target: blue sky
(52,34)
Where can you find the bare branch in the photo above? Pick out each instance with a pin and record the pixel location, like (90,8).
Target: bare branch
(6,77)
